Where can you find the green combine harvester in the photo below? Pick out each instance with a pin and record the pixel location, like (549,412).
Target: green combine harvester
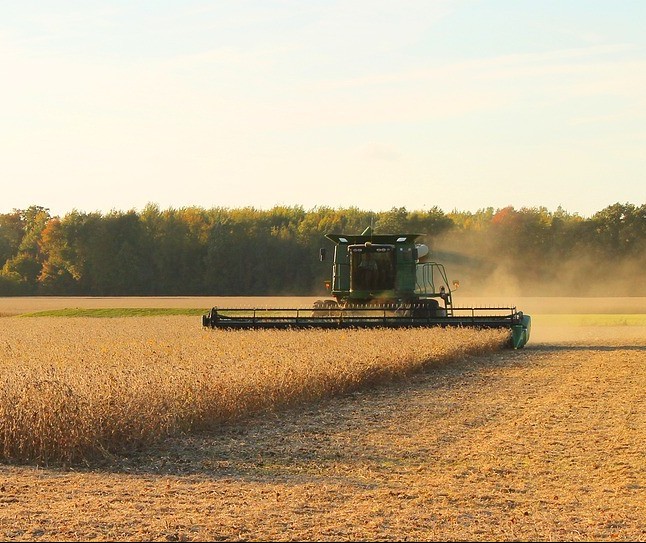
(380,281)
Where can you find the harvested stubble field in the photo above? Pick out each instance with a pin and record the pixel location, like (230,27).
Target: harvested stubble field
(189,434)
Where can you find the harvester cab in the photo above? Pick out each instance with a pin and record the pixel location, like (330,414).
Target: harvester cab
(380,280)
(388,270)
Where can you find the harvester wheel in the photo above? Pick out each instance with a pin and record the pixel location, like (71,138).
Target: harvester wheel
(427,310)
(324,308)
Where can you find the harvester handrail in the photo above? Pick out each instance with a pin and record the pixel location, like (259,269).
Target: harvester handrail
(425,278)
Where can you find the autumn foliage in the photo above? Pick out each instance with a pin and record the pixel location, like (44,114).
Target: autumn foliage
(221,251)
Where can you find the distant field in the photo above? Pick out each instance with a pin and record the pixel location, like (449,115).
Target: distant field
(114,312)
(29,304)
(531,306)
(592,319)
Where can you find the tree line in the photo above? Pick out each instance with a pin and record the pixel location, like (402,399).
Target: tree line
(246,251)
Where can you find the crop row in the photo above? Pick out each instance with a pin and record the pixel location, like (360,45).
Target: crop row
(80,389)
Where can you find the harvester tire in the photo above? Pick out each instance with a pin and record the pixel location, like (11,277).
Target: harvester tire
(324,308)
(428,310)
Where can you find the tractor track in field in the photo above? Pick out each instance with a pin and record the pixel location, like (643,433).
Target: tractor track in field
(540,444)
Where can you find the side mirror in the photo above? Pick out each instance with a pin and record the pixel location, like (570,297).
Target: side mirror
(322,254)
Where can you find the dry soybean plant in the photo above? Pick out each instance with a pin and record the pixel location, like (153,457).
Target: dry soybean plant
(81,389)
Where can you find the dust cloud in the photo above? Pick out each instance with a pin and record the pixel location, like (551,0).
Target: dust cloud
(486,270)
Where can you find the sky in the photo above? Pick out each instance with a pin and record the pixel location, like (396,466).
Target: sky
(379,104)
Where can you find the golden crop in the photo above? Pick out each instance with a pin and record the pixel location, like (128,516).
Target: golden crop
(81,389)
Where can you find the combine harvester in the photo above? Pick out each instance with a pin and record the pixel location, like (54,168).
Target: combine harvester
(380,281)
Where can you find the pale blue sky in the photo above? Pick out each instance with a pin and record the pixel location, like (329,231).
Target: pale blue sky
(373,104)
